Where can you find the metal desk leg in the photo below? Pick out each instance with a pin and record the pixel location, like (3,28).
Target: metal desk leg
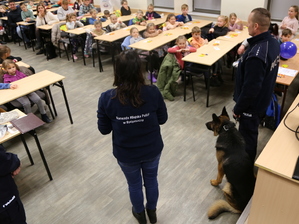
(60,84)
(99,59)
(208,88)
(52,100)
(185,83)
(33,133)
(27,149)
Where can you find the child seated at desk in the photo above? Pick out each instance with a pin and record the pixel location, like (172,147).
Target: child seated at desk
(171,22)
(151,14)
(234,23)
(139,20)
(26,14)
(5,54)
(184,17)
(115,24)
(125,9)
(180,50)
(63,10)
(196,40)
(72,23)
(30,5)
(93,13)
(76,6)
(85,8)
(97,31)
(286,35)
(135,37)
(105,16)
(13,74)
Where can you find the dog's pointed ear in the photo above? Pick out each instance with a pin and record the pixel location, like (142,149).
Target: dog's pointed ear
(215,118)
(224,112)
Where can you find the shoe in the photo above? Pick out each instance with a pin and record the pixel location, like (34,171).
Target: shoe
(38,46)
(151,213)
(29,45)
(140,216)
(75,57)
(40,52)
(46,119)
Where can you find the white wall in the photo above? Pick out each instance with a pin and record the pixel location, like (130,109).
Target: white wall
(241,8)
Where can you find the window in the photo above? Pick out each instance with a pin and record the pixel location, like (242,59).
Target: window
(207,6)
(279,9)
(166,4)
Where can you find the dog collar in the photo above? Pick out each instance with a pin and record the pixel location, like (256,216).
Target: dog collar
(226,127)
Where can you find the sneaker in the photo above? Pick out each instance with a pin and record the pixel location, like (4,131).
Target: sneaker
(46,119)
(75,57)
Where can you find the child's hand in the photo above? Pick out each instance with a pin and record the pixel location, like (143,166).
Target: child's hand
(283,27)
(27,19)
(211,30)
(206,41)
(143,23)
(239,21)
(13,86)
(241,49)
(180,23)
(159,31)
(180,50)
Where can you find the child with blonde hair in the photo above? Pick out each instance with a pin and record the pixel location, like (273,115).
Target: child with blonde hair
(91,34)
(139,20)
(220,29)
(150,13)
(171,22)
(291,21)
(184,17)
(72,23)
(234,23)
(115,24)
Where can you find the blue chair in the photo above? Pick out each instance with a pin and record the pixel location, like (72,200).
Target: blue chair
(125,44)
(130,22)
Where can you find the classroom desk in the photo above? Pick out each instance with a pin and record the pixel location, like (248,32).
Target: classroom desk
(275,198)
(8,136)
(208,55)
(20,63)
(35,82)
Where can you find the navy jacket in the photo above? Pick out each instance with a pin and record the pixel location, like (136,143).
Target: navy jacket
(8,189)
(152,15)
(182,18)
(135,131)
(256,75)
(14,16)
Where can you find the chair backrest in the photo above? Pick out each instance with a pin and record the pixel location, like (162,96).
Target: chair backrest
(130,22)
(125,44)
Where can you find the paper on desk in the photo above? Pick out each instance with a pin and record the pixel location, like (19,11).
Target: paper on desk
(287,71)
(217,48)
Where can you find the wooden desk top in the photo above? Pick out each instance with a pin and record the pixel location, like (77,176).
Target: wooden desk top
(9,135)
(30,84)
(237,36)
(23,23)
(82,30)
(4,18)
(48,27)
(118,34)
(165,37)
(281,152)
(20,63)
(211,52)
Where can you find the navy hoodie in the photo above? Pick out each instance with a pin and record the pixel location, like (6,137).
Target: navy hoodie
(135,131)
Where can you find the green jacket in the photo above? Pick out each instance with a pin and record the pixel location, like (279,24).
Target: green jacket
(168,75)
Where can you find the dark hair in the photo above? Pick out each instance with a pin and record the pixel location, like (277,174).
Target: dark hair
(273,28)
(286,32)
(128,78)
(22,3)
(262,17)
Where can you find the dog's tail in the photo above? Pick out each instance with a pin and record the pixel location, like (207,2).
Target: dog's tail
(220,206)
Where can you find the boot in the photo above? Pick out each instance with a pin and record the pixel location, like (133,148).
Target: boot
(151,213)
(46,119)
(140,216)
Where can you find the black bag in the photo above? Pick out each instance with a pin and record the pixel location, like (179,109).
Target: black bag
(50,51)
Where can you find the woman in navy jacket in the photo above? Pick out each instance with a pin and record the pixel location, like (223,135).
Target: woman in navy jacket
(134,112)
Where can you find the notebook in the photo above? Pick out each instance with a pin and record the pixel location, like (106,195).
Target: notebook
(27,123)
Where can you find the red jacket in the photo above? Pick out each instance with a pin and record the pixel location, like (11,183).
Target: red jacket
(179,56)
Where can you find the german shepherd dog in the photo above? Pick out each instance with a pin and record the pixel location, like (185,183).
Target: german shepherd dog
(234,162)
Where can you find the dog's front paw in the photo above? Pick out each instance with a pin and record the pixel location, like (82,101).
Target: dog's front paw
(214,182)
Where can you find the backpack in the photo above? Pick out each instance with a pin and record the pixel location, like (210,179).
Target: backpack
(272,117)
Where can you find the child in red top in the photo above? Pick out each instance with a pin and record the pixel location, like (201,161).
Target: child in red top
(181,49)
